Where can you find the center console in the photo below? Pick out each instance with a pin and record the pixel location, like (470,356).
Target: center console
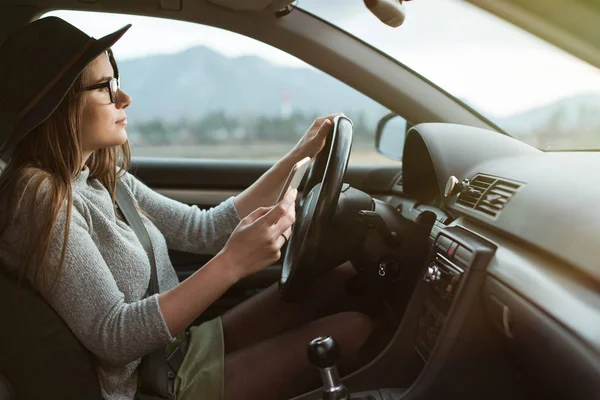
(455,253)
(421,358)
(443,278)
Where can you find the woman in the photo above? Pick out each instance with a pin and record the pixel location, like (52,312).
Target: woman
(66,146)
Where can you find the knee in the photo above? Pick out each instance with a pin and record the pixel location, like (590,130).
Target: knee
(331,286)
(343,271)
(354,329)
(359,323)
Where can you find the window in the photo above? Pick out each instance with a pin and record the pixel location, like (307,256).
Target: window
(536,92)
(203,92)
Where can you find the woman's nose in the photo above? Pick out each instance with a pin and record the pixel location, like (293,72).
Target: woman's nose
(124,100)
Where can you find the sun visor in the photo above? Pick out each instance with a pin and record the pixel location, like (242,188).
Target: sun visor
(253,5)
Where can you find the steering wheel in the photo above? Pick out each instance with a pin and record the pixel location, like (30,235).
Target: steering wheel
(322,191)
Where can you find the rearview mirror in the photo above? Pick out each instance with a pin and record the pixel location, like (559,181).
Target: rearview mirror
(390,136)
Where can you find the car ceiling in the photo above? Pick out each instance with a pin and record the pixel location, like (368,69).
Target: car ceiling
(571,25)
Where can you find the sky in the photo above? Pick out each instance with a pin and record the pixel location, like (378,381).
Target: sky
(498,68)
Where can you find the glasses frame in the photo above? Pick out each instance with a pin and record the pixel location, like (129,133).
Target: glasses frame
(112,90)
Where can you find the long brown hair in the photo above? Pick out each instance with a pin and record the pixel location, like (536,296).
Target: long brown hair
(37,181)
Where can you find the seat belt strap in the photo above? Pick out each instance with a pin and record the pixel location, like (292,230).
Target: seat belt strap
(127,206)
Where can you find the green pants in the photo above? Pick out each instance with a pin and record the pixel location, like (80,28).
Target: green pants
(201,374)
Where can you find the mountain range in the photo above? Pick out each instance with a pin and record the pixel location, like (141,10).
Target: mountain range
(565,114)
(199,80)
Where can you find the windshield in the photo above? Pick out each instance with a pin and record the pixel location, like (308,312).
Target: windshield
(529,88)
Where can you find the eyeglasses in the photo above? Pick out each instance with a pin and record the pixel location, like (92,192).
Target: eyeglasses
(113,88)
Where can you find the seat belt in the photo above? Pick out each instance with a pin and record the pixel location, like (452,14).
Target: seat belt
(127,207)
(160,361)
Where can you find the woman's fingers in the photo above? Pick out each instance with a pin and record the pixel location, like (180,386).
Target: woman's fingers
(284,223)
(256,214)
(330,116)
(280,209)
(279,242)
(257,240)
(324,129)
(287,233)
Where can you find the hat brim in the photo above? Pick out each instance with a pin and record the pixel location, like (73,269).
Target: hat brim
(46,106)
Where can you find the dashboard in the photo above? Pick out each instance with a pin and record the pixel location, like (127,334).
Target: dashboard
(499,298)
(506,301)
(529,221)
(555,207)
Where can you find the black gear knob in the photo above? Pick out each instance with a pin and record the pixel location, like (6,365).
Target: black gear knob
(323,351)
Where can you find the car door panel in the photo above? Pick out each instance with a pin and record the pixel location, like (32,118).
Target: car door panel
(221,177)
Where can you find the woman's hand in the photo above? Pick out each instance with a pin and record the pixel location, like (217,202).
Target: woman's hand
(257,241)
(313,140)
(267,187)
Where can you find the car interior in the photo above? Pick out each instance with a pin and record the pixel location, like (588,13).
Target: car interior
(477,253)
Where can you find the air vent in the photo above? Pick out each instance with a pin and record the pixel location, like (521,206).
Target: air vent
(488,195)
(477,188)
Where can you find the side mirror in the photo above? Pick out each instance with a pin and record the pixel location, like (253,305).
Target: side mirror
(390,136)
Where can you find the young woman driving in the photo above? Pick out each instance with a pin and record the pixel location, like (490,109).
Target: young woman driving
(63,117)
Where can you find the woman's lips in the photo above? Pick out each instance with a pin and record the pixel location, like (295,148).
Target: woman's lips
(122,121)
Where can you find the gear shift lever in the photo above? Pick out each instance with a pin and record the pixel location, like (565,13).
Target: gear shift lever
(322,353)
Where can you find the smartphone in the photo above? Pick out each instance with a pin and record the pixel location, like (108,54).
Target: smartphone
(295,177)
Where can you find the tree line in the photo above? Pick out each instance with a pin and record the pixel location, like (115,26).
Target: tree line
(218,127)
(567,130)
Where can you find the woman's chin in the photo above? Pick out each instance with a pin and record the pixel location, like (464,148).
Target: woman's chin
(121,138)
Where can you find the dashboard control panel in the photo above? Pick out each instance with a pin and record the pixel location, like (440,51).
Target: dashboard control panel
(444,274)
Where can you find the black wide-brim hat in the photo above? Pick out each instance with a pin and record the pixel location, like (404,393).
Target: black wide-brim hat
(39,63)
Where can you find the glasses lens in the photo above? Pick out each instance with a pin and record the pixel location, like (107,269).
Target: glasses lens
(114,90)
